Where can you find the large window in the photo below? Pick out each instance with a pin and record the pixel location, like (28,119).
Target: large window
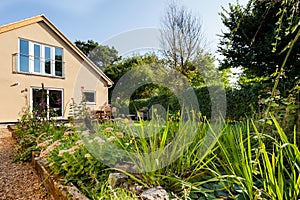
(47,102)
(40,59)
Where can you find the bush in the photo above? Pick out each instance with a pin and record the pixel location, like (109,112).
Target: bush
(240,103)
(32,129)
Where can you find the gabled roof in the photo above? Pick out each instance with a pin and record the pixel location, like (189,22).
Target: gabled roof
(42,18)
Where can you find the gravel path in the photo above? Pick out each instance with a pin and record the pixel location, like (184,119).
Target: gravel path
(17,180)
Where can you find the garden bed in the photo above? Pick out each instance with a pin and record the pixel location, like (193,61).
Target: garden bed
(55,187)
(238,167)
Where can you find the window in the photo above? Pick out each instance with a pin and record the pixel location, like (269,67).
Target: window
(37,58)
(47,60)
(40,59)
(90,97)
(58,62)
(24,56)
(47,102)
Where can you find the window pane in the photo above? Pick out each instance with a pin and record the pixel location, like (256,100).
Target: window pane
(90,97)
(39,102)
(24,47)
(24,56)
(58,62)
(37,59)
(47,60)
(55,103)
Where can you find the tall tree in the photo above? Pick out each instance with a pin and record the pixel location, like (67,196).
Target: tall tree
(257,37)
(181,37)
(102,56)
(86,47)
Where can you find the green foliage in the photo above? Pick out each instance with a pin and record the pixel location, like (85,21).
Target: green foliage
(68,158)
(147,63)
(244,163)
(285,109)
(102,56)
(86,47)
(29,130)
(280,167)
(201,70)
(258,166)
(240,103)
(257,37)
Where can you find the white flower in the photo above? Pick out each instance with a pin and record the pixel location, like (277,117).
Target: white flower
(90,141)
(111,139)
(61,152)
(43,144)
(50,148)
(109,129)
(99,140)
(67,133)
(79,142)
(120,134)
(85,133)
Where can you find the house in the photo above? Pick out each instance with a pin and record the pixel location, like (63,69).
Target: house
(44,71)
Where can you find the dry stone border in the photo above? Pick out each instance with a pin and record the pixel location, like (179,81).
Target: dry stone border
(57,190)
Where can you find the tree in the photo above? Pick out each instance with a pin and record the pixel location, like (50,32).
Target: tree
(181,37)
(258,36)
(201,69)
(102,56)
(146,63)
(86,47)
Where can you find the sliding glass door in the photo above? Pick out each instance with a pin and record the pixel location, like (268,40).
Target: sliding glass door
(47,102)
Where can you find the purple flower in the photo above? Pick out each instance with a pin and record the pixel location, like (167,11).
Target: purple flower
(43,103)
(118,98)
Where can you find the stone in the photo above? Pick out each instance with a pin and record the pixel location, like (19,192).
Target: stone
(137,189)
(116,179)
(157,193)
(128,167)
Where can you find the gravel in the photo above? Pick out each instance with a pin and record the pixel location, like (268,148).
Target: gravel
(17,180)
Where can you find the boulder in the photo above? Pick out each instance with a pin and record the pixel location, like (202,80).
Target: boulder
(116,179)
(157,193)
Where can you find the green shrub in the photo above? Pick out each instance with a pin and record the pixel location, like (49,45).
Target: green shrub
(32,129)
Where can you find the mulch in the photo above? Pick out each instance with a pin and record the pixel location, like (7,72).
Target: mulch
(17,180)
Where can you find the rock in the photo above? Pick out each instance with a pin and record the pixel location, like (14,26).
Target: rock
(116,179)
(128,167)
(137,189)
(157,193)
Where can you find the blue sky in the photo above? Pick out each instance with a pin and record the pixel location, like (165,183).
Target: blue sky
(101,19)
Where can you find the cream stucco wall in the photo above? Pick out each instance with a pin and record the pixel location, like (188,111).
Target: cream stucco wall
(77,74)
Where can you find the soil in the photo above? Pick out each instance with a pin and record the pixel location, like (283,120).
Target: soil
(17,180)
